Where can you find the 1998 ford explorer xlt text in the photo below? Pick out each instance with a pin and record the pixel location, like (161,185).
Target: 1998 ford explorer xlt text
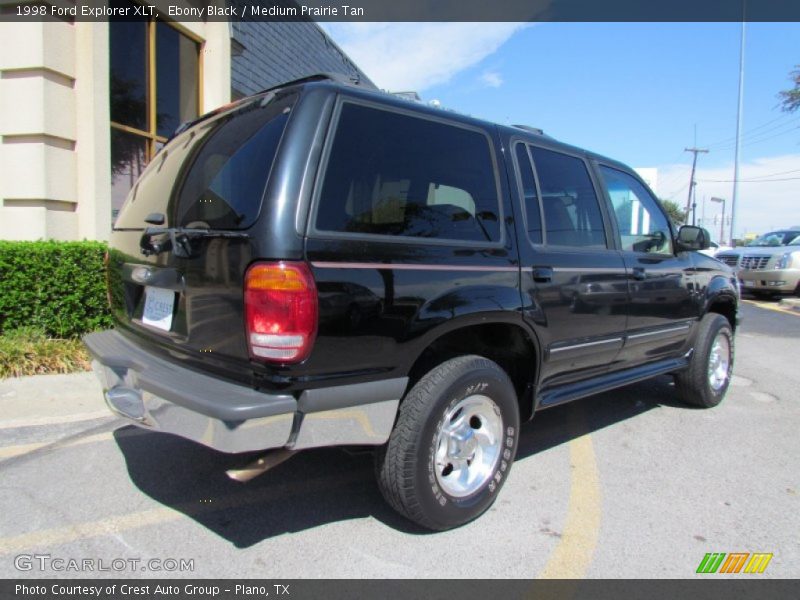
(324,265)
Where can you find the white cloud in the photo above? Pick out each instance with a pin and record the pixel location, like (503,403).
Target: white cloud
(491,79)
(417,56)
(768,196)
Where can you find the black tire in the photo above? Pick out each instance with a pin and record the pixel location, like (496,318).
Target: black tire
(406,466)
(693,384)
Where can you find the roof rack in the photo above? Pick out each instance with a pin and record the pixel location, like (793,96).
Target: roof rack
(535,130)
(337,77)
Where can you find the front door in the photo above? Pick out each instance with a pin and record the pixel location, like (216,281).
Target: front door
(573,283)
(661,308)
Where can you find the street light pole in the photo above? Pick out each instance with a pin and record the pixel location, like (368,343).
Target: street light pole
(738,127)
(722,222)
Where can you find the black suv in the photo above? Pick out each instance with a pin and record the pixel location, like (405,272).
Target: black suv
(324,265)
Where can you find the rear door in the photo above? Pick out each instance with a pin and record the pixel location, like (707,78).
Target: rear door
(408,234)
(185,236)
(661,281)
(573,279)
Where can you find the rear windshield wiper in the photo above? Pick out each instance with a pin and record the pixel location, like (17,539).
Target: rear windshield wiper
(179,239)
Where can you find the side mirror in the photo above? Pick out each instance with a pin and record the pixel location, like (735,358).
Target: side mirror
(693,238)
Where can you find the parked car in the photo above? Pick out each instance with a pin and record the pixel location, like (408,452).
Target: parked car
(323,265)
(768,265)
(715,248)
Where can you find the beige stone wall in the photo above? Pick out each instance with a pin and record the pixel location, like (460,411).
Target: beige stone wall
(38,129)
(55,180)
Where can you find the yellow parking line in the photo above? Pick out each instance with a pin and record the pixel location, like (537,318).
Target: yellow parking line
(38,540)
(775,307)
(37,422)
(62,535)
(20,449)
(68,442)
(573,554)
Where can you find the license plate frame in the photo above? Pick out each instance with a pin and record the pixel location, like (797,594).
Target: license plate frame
(159,307)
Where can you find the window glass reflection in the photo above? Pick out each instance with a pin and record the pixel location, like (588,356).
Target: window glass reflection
(128,72)
(127,163)
(176,76)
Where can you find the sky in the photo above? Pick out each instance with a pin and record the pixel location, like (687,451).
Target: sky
(637,92)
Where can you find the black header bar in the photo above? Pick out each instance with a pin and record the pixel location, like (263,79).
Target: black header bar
(407,10)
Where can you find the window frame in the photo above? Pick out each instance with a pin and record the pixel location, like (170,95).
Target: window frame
(319,180)
(612,214)
(150,135)
(521,190)
(609,227)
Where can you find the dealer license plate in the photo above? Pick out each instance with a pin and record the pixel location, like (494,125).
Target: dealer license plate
(748,284)
(158,306)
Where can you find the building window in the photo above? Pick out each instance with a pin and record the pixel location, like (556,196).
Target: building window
(154,79)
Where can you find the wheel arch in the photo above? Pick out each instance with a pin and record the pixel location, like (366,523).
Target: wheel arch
(508,343)
(722,298)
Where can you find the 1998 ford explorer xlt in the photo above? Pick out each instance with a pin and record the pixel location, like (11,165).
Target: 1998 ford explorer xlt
(322,265)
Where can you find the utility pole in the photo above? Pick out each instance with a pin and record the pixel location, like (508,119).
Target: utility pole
(692,183)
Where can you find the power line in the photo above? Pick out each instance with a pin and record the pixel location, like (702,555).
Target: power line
(754,132)
(683,187)
(758,140)
(747,180)
(757,178)
(774,174)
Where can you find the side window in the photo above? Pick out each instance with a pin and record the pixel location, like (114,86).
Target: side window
(530,197)
(642,226)
(571,210)
(398,175)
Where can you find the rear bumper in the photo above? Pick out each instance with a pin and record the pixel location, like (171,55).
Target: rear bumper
(158,394)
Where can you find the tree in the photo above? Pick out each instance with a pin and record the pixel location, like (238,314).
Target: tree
(790,99)
(674,211)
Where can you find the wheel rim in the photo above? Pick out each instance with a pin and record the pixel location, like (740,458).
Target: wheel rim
(719,361)
(468,445)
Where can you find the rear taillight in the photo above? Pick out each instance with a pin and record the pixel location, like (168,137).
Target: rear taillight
(280,303)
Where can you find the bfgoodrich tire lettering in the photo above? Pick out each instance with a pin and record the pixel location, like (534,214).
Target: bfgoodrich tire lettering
(441,466)
(706,380)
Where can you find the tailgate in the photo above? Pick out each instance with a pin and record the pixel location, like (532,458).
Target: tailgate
(182,242)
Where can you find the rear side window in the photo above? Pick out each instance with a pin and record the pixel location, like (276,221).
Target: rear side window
(392,174)
(213,176)
(571,210)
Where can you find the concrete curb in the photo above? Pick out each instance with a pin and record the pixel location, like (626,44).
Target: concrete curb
(790,303)
(41,398)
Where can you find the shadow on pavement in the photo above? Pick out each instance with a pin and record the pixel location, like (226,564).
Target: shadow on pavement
(328,485)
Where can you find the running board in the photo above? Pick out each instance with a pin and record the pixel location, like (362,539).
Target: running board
(573,391)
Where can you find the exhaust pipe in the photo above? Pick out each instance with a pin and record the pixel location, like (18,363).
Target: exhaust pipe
(260,466)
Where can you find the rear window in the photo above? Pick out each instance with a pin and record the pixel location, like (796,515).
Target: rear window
(230,156)
(392,174)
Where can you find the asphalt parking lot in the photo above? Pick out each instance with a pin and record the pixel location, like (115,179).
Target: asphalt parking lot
(627,484)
